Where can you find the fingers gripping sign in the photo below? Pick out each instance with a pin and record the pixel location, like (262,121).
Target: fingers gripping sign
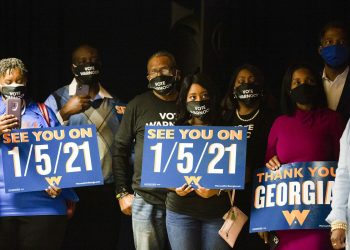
(184,190)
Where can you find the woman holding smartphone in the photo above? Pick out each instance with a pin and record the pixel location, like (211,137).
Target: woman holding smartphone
(30,220)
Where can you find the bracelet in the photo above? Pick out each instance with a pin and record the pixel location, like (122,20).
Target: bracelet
(121,195)
(338,225)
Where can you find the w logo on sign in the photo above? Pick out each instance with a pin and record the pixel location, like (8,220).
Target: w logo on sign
(295,214)
(192,179)
(54,181)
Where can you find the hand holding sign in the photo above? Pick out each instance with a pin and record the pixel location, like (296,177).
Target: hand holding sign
(184,190)
(53,191)
(274,163)
(206,193)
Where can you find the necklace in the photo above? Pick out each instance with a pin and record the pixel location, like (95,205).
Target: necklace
(247,120)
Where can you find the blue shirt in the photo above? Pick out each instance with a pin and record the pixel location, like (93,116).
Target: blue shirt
(32,203)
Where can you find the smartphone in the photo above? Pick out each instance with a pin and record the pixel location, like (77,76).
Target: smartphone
(82,90)
(14,107)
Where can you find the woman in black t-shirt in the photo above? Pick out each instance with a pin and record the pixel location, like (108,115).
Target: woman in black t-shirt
(245,104)
(194,216)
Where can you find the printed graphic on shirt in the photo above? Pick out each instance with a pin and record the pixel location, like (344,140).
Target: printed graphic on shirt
(250,129)
(165,119)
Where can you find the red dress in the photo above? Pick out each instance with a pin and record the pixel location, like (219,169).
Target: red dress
(305,136)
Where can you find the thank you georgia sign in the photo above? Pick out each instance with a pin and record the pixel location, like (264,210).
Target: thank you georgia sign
(296,196)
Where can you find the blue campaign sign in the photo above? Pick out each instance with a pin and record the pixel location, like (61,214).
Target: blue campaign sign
(211,156)
(60,156)
(297,196)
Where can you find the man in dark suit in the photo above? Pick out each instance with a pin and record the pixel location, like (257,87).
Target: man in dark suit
(334,50)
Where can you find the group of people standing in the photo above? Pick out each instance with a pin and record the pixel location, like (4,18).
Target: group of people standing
(314,110)
(44,219)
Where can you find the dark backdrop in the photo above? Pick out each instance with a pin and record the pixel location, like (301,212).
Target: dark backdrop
(44,33)
(268,33)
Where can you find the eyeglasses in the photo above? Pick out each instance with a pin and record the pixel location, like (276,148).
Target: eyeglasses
(162,71)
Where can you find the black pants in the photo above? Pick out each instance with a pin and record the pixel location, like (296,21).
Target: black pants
(96,222)
(32,232)
(126,239)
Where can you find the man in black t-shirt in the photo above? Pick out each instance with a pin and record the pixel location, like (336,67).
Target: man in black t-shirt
(156,107)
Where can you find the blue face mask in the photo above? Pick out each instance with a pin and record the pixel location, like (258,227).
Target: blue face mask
(335,55)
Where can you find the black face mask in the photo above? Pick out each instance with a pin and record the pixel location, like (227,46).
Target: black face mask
(13,90)
(304,94)
(248,93)
(163,85)
(88,73)
(199,109)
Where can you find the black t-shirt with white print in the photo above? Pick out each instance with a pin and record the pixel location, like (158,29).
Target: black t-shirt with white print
(144,109)
(257,133)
